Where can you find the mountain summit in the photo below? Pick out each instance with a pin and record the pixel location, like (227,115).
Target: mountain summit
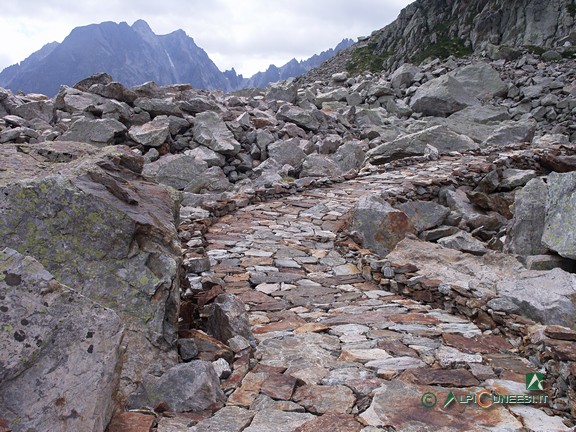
(134,55)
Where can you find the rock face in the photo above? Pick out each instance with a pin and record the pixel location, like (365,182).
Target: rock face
(103,230)
(559,234)
(527,226)
(544,296)
(56,343)
(451,27)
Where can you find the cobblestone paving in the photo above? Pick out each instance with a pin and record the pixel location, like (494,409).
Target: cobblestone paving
(336,352)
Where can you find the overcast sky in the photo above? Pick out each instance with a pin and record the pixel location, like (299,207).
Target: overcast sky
(248,35)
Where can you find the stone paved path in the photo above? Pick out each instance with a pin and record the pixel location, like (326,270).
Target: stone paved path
(337,353)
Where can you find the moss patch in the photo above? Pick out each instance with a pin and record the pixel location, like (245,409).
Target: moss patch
(365,59)
(443,48)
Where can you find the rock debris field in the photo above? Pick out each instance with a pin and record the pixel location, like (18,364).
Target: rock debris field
(387,252)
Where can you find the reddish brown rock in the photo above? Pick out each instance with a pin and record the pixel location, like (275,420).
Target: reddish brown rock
(131,422)
(323,399)
(278,386)
(250,388)
(397,348)
(562,350)
(443,377)
(331,422)
(477,344)
(559,332)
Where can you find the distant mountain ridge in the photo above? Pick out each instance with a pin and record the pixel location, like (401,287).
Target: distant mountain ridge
(134,55)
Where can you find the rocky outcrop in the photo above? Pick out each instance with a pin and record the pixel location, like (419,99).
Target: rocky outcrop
(102,229)
(56,343)
(440,28)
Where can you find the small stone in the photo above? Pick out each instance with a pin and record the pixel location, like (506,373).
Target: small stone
(222,368)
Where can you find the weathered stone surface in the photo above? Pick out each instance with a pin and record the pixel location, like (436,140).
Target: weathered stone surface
(99,132)
(524,234)
(227,318)
(178,171)
(424,214)
(151,134)
(211,180)
(441,97)
(415,145)
(201,390)
(378,224)
(131,422)
(536,419)
(299,116)
(158,107)
(207,155)
(97,225)
(443,377)
(480,80)
(287,152)
(211,131)
(394,399)
(545,296)
(512,133)
(332,422)
(464,242)
(228,419)
(559,234)
(55,343)
(288,352)
(513,178)
(317,165)
(404,75)
(74,101)
(320,399)
(278,421)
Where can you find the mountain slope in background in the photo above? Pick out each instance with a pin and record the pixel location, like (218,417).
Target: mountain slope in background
(134,55)
(439,28)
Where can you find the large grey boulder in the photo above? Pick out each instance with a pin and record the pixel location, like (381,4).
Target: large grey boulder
(72,100)
(211,131)
(299,116)
(192,386)
(211,180)
(349,156)
(100,132)
(378,225)
(524,234)
(56,344)
(153,133)
(544,296)
(158,106)
(97,225)
(404,75)
(441,97)
(559,230)
(512,132)
(287,152)
(227,318)
(317,165)
(424,214)
(176,170)
(415,145)
(480,80)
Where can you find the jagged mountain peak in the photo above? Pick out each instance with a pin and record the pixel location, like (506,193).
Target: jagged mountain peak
(133,54)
